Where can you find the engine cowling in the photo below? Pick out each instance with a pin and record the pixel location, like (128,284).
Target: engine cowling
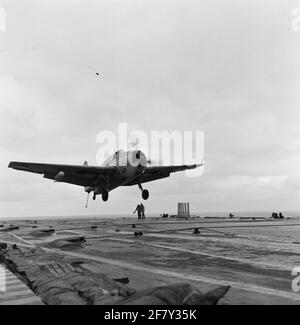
(137,158)
(59,176)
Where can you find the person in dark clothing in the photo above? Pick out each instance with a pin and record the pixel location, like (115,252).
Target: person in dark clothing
(138,209)
(143,210)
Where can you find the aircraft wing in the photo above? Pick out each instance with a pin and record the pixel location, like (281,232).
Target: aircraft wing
(153,173)
(169,169)
(73,174)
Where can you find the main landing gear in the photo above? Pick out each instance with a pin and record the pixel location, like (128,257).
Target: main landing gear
(105,196)
(145,193)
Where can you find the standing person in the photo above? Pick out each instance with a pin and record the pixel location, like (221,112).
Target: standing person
(143,210)
(139,211)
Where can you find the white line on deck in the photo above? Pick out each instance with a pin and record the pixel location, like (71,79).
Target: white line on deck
(236,285)
(233,259)
(23,240)
(238,241)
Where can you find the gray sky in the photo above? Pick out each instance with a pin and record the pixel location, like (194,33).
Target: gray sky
(230,68)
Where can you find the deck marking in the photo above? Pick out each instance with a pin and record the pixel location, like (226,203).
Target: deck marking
(22,301)
(23,240)
(236,285)
(234,259)
(279,247)
(17,291)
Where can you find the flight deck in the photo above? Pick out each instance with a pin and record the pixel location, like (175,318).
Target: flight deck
(254,257)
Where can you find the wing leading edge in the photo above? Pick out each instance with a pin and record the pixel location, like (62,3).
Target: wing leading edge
(158,172)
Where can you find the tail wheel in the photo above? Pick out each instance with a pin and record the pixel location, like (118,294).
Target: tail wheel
(105,196)
(145,194)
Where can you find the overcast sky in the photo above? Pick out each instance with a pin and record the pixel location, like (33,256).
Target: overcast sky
(228,67)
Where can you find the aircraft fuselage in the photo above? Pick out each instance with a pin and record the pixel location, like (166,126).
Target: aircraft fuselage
(129,166)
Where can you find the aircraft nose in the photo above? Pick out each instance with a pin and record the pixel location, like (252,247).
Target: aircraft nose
(142,159)
(136,159)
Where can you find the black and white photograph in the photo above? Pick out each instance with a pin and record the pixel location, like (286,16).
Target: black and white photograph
(149,155)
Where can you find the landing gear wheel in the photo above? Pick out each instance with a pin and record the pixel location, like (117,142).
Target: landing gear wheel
(145,194)
(94,197)
(105,196)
